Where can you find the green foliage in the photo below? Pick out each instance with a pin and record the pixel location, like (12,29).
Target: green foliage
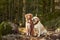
(5,28)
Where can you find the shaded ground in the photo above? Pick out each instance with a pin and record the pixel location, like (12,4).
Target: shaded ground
(51,36)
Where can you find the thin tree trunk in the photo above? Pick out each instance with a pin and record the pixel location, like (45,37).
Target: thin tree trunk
(24,10)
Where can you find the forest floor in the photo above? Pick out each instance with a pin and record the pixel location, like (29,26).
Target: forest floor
(51,36)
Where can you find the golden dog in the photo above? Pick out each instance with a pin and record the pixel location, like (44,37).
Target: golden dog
(29,24)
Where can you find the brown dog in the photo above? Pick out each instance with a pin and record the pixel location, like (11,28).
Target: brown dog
(29,24)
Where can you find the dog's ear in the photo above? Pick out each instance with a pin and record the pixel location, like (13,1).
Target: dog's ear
(30,15)
(38,19)
(26,16)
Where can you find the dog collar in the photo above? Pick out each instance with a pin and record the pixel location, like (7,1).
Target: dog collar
(36,22)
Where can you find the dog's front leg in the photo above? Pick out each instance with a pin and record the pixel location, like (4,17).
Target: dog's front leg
(38,32)
(27,31)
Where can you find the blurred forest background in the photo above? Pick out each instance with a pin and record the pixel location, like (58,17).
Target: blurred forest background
(47,10)
(13,11)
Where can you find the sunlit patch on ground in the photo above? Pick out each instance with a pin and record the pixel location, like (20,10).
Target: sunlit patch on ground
(22,30)
(57,30)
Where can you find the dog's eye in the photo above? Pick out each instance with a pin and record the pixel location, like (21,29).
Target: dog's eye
(33,20)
